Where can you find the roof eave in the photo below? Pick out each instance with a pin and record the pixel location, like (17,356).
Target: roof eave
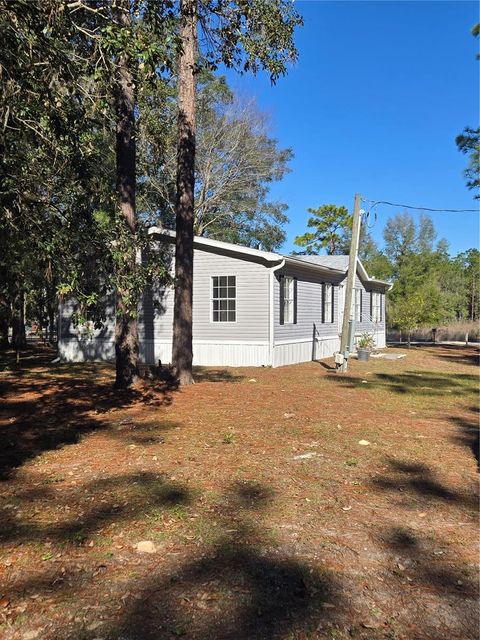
(199,241)
(313,266)
(267,256)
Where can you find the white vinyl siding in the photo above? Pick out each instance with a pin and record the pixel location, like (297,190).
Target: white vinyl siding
(224,299)
(248,341)
(252,302)
(309,306)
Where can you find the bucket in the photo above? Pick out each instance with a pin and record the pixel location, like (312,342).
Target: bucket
(363,354)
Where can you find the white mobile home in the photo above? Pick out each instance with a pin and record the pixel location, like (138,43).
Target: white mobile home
(250,308)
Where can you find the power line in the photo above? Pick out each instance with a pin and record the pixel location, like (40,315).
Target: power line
(408,206)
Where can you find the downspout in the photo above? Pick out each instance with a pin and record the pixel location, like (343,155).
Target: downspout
(272,307)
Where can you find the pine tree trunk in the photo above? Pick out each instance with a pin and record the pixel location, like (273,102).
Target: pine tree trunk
(182,354)
(19,336)
(51,324)
(4,325)
(126,330)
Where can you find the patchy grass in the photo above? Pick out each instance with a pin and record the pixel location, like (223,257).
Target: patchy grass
(294,531)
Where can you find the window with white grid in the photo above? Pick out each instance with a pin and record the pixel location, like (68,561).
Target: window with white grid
(224,298)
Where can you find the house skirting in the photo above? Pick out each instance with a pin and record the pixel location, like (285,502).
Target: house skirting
(86,349)
(205,353)
(304,350)
(210,353)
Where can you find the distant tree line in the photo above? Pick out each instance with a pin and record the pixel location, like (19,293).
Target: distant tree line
(430,286)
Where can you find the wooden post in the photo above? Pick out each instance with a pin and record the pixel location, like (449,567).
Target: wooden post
(352,269)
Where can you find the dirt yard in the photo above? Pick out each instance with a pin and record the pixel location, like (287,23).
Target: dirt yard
(291,503)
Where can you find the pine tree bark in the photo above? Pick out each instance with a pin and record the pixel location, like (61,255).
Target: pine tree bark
(4,326)
(51,325)
(182,353)
(19,336)
(126,329)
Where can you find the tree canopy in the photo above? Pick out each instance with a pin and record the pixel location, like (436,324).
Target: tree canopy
(430,286)
(61,233)
(468,142)
(236,161)
(330,226)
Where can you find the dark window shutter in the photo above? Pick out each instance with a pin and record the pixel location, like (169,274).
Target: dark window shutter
(371,305)
(361,305)
(282,295)
(323,303)
(333,303)
(295,301)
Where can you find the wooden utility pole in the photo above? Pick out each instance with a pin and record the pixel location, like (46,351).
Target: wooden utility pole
(352,270)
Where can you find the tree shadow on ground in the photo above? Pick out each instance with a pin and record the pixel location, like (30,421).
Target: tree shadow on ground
(411,479)
(249,592)
(253,596)
(236,589)
(326,366)
(417,559)
(207,374)
(425,383)
(32,355)
(166,374)
(60,406)
(468,432)
(117,499)
(458,355)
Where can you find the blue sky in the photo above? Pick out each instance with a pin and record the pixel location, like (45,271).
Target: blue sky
(373,105)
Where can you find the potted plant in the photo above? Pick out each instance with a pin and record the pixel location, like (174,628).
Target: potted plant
(365,344)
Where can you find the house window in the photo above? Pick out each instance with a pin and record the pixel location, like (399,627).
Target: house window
(224,296)
(376,307)
(357,305)
(327,303)
(288,300)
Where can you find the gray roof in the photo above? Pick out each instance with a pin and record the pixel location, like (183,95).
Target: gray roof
(334,262)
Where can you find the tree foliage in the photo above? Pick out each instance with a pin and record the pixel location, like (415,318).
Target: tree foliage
(468,142)
(330,225)
(58,115)
(430,287)
(62,231)
(236,161)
